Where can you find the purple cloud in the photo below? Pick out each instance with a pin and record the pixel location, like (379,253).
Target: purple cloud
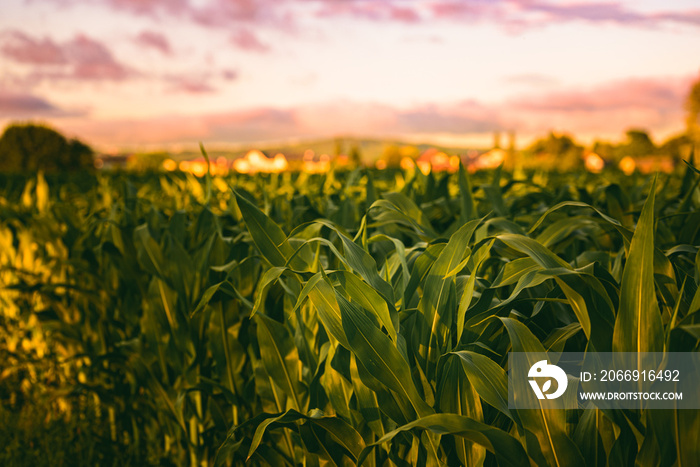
(218,13)
(254,125)
(23,105)
(154,40)
(91,60)
(229,75)
(468,117)
(247,40)
(150,7)
(371,10)
(21,48)
(602,111)
(660,94)
(243,126)
(520,15)
(190,85)
(80,59)
(514,15)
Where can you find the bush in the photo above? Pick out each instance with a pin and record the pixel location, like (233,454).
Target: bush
(31,147)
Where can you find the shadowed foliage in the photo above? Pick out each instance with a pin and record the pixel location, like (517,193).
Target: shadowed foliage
(357,317)
(30,147)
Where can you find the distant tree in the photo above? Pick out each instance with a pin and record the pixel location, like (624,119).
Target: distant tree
(151,161)
(338,143)
(605,149)
(692,106)
(553,144)
(678,147)
(409,150)
(559,151)
(355,156)
(638,144)
(392,155)
(33,147)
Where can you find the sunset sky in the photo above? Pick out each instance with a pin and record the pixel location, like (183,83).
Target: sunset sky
(130,73)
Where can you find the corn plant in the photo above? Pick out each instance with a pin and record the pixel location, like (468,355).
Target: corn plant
(349,318)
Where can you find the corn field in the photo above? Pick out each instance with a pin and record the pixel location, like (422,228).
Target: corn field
(349,318)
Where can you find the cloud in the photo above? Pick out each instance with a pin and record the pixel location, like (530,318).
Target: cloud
(529,13)
(468,117)
(653,103)
(247,40)
(155,41)
(530,79)
(370,10)
(602,111)
(237,126)
(229,75)
(310,121)
(91,60)
(79,59)
(515,16)
(254,125)
(21,48)
(150,7)
(190,85)
(662,94)
(23,105)
(217,13)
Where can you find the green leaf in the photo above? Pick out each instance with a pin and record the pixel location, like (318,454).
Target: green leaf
(638,326)
(362,263)
(280,358)
(456,395)
(506,449)
(322,295)
(488,378)
(149,253)
(338,431)
(436,290)
(270,276)
(358,291)
(547,425)
(375,351)
(267,236)
(481,254)
(539,253)
(468,205)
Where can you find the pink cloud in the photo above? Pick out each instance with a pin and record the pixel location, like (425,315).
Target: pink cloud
(244,126)
(463,10)
(229,75)
(652,103)
(154,40)
(247,40)
(603,111)
(631,93)
(92,60)
(150,7)
(23,105)
(218,13)
(80,59)
(21,48)
(191,85)
(514,15)
(371,10)
(519,15)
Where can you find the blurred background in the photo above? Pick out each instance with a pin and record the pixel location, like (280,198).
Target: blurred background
(372,80)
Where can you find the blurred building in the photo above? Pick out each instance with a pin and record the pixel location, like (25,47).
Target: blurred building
(256,161)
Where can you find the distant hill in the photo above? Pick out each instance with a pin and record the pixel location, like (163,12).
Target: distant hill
(369,149)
